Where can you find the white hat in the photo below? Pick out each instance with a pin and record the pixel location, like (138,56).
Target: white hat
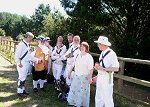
(48,39)
(103,40)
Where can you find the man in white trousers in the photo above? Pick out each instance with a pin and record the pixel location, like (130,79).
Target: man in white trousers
(108,64)
(70,55)
(22,58)
(47,43)
(57,57)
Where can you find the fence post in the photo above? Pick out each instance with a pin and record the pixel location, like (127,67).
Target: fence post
(10,45)
(6,43)
(121,72)
(0,43)
(10,49)
(15,44)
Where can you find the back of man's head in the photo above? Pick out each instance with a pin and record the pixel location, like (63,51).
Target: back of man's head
(29,34)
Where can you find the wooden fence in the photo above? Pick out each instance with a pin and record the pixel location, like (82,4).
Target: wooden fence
(8,47)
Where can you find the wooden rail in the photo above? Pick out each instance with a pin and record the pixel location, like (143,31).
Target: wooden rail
(8,47)
(121,71)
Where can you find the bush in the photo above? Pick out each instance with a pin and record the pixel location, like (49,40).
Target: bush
(2,32)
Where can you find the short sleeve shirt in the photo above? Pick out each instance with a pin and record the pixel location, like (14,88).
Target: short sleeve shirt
(110,60)
(83,64)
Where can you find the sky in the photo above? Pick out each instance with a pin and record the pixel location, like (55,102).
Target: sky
(27,7)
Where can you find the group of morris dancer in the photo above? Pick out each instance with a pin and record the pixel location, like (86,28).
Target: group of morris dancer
(77,70)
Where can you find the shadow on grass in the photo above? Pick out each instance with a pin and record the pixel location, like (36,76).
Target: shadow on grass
(9,75)
(10,66)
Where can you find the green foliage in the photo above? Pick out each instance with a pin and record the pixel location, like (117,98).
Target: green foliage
(37,19)
(49,24)
(13,24)
(2,32)
(126,22)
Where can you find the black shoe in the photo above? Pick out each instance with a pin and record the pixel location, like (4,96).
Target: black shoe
(22,95)
(42,89)
(35,90)
(24,92)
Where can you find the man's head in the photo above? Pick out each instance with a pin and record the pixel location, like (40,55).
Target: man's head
(70,37)
(59,43)
(76,40)
(29,36)
(60,38)
(41,40)
(103,42)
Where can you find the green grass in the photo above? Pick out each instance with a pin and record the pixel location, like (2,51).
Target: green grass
(9,98)
(124,102)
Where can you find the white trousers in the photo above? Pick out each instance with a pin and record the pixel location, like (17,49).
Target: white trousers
(67,70)
(57,70)
(104,91)
(22,72)
(49,65)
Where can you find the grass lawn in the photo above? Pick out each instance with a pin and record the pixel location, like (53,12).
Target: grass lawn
(9,98)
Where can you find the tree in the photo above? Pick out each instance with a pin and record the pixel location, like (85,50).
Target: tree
(40,13)
(14,24)
(125,22)
(2,32)
(49,24)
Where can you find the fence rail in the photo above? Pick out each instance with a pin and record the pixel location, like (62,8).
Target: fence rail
(8,47)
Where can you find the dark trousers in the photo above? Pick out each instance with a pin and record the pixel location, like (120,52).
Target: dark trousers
(39,74)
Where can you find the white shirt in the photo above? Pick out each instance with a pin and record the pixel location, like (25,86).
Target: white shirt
(83,64)
(51,50)
(21,50)
(70,44)
(58,54)
(75,51)
(110,60)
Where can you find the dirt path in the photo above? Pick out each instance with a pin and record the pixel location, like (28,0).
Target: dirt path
(4,64)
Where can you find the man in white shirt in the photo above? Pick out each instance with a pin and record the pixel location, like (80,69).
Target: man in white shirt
(22,58)
(108,64)
(72,53)
(47,43)
(57,57)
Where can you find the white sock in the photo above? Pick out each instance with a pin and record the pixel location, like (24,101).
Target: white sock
(35,84)
(41,83)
